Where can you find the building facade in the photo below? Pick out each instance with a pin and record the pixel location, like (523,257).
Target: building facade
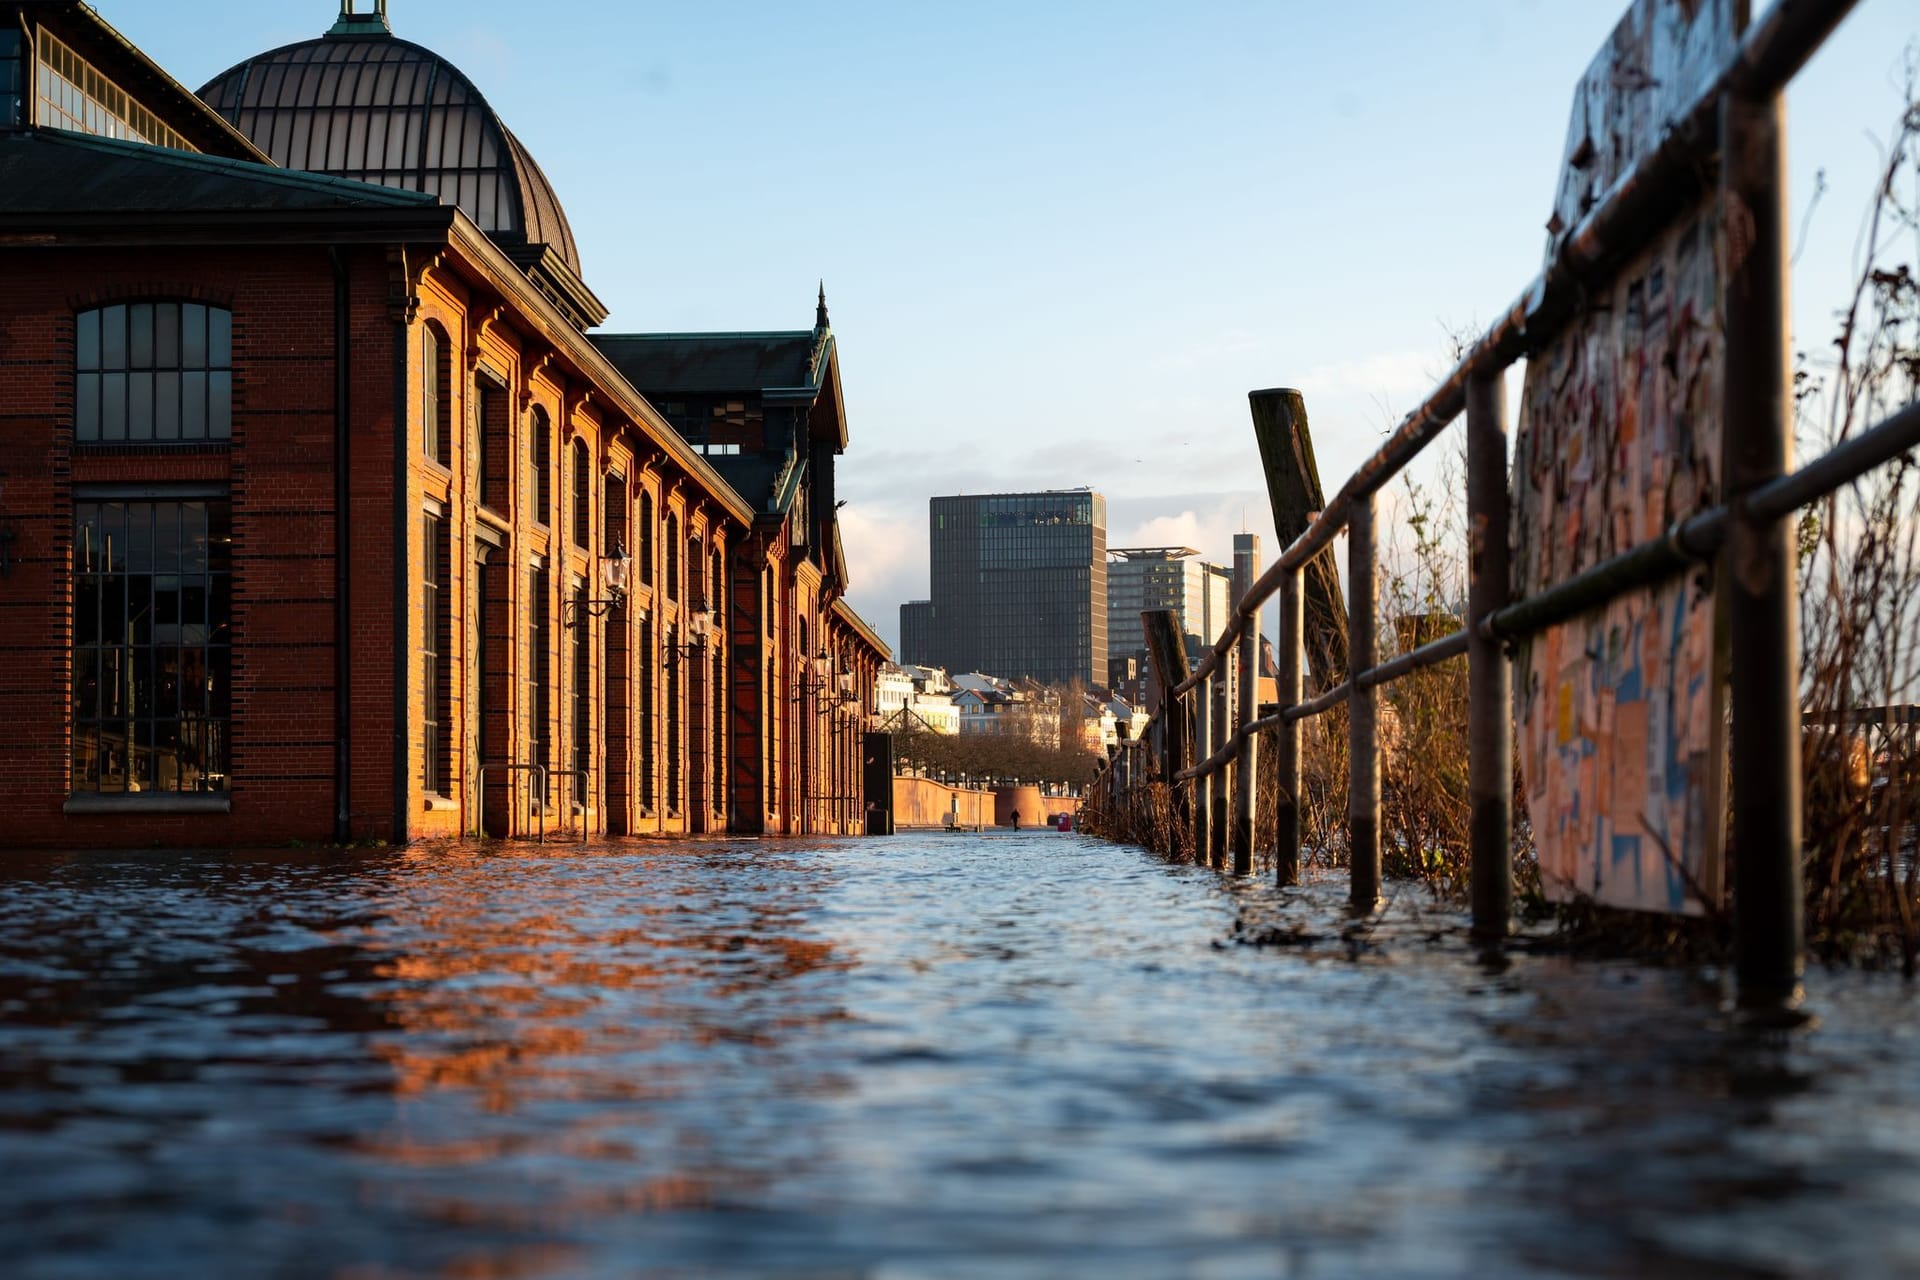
(914,699)
(1020,585)
(1143,578)
(331,520)
(917,622)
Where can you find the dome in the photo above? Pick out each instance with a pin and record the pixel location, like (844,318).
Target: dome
(359,103)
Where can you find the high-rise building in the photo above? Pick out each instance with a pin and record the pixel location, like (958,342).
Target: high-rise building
(1020,585)
(916,634)
(1142,578)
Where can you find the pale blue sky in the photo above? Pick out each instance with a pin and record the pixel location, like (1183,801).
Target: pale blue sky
(1063,240)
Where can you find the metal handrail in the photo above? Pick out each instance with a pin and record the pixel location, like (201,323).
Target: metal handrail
(1730,137)
(1691,541)
(1770,53)
(585,797)
(509,768)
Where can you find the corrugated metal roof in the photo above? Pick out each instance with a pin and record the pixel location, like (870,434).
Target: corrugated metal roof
(378,109)
(53,171)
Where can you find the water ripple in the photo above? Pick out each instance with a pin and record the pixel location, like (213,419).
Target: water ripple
(919,1056)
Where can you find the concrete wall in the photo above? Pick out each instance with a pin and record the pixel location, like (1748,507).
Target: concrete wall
(919,802)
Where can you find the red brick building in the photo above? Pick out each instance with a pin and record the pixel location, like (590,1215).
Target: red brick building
(324,515)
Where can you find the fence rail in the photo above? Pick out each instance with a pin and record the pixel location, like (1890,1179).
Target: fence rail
(1735,128)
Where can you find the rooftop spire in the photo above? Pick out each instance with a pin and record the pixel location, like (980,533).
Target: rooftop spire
(352,22)
(820,312)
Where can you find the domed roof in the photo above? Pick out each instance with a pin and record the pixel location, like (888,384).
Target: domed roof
(359,103)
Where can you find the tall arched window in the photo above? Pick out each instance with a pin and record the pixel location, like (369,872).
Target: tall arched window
(646,538)
(582,492)
(153,372)
(436,399)
(542,428)
(673,557)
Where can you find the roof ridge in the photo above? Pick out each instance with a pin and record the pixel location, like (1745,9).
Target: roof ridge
(248,169)
(795,334)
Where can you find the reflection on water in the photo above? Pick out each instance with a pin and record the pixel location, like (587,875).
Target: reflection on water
(924,1055)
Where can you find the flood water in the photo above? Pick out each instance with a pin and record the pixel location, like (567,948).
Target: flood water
(926,1055)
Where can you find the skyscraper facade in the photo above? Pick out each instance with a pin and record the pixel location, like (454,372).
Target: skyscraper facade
(1020,584)
(916,634)
(1142,578)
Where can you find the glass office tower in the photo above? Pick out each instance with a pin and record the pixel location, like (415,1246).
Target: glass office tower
(1020,585)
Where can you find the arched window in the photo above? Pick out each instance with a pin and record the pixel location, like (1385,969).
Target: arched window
(436,399)
(697,576)
(582,492)
(540,667)
(646,538)
(436,629)
(613,510)
(673,557)
(493,456)
(153,372)
(542,428)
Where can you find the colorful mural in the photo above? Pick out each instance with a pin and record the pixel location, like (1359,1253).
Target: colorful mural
(1619,712)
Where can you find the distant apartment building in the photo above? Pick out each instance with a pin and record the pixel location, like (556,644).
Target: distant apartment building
(914,699)
(1019,586)
(1142,578)
(1009,708)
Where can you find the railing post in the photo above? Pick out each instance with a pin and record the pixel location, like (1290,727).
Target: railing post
(1489,672)
(1246,568)
(1217,820)
(1363,744)
(1203,785)
(1286,851)
(1167,653)
(1757,567)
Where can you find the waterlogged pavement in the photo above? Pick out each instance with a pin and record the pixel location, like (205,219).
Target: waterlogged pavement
(927,1055)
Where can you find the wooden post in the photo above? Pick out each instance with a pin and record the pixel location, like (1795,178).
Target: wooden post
(1293,491)
(1489,672)
(1167,653)
(1757,567)
(1246,568)
(1203,787)
(1286,852)
(1168,656)
(1222,731)
(1363,743)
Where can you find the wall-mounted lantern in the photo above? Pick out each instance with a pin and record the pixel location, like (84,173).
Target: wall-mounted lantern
(613,589)
(700,628)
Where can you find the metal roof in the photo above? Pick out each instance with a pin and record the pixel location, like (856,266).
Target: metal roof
(664,365)
(53,171)
(367,106)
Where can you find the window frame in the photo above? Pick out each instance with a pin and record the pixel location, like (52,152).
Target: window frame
(151,574)
(436,399)
(121,347)
(582,521)
(542,428)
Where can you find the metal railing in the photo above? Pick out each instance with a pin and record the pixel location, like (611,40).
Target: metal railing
(1736,125)
(580,797)
(512,771)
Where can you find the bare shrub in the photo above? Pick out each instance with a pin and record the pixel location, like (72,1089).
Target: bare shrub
(1859,554)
